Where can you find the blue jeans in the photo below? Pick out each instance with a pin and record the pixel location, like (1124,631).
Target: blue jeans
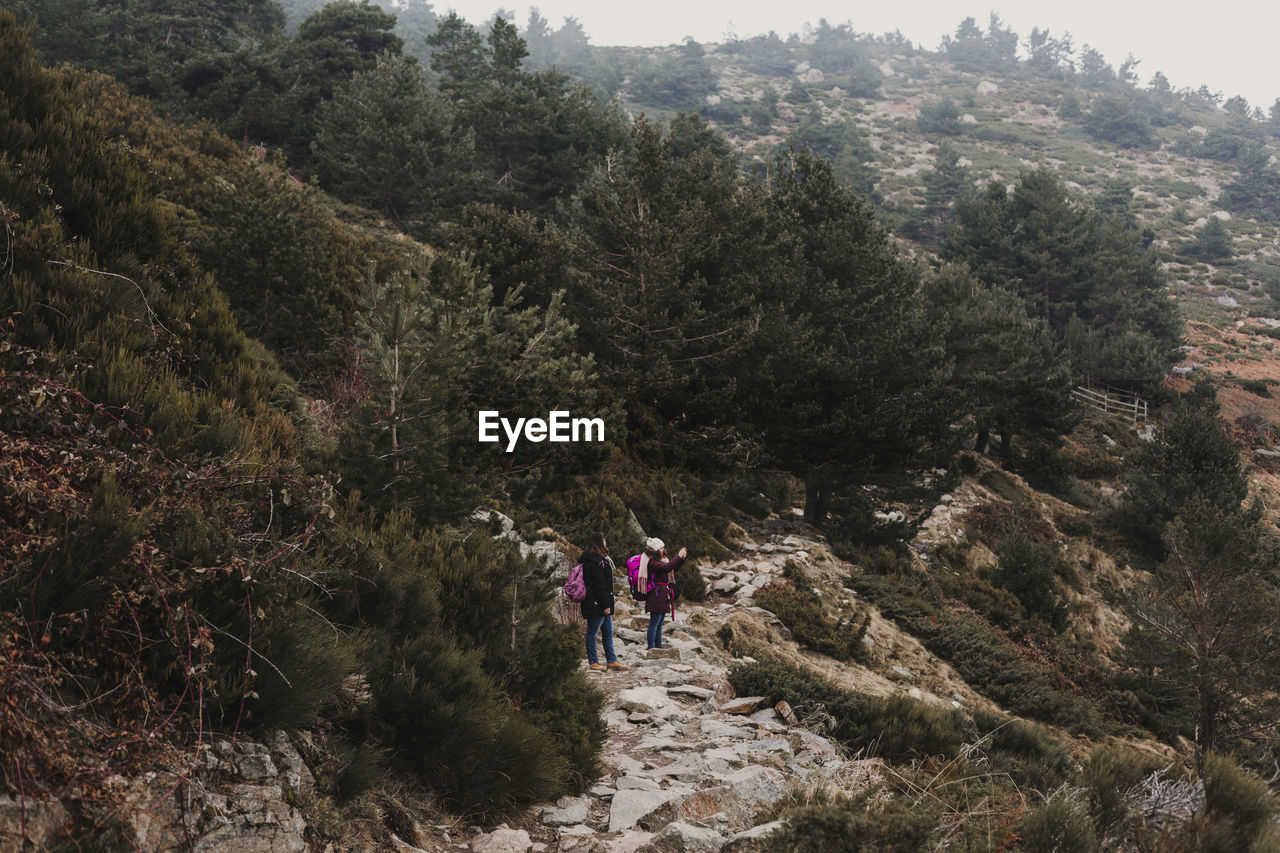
(654,633)
(594,624)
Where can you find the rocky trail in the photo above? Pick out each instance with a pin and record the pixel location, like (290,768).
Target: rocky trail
(689,766)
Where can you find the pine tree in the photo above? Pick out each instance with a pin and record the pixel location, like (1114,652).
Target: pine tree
(1206,629)
(390,142)
(437,350)
(1008,371)
(1212,242)
(678,252)
(1190,458)
(854,385)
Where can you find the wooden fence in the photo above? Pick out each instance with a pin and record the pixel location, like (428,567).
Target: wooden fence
(1112,401)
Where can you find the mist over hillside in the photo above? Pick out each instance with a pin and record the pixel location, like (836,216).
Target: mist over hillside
(331,335)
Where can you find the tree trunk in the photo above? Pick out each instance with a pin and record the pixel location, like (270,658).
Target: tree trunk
(816,496)
(1207,722)
(984,436)
(1006,443)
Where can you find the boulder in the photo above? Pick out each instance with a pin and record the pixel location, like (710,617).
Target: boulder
(502,840)
(568,811)
(576,839)
(680,837)
(43,821)
(628,842)
(736,800)
(818,746)
(297,776)
(725,585)
(636,783)
(716,729)
(753,839)
(771,744)
(649,700)
(742,705)
(630,807)
(986,87)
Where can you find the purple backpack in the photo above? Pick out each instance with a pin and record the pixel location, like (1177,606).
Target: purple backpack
(575,587)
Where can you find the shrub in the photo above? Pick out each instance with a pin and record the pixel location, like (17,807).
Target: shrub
(897,728)
(689,580)
(889,826)
(1059,824)
(1028,569)
(984,657)
(1111,772)
(1240,810)
(1257,387)
(1026,751)
(800,609)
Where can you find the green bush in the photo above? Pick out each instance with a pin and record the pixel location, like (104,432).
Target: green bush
(857,826)
(689,580)
(1111,772)
(898,728)
(984,657)
(1257,387)
(1029,570)
(800,609)
(1032,757)
(1240,809)
(1058,824)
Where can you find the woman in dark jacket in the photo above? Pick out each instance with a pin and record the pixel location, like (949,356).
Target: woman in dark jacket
(661,599)
(597,607)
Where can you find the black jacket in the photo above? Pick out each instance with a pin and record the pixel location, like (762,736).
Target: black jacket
(597,574)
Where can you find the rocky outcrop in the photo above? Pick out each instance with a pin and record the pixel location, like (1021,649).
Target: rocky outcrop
(230,796)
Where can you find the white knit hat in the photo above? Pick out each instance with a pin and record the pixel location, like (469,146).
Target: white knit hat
(653,543)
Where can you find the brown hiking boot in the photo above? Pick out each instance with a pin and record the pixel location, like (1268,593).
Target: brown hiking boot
(596,666)
(616,665)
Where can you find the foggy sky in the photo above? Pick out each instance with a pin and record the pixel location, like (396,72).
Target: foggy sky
(1232,50)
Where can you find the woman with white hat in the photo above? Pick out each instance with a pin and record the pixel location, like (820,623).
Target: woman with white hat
(657,577)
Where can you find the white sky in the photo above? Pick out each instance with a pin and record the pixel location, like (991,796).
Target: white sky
(1231,45)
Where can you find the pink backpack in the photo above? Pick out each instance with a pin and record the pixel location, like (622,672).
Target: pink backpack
(575,587)
(633,578)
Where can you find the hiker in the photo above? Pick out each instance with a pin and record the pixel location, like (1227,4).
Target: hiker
(597,607)
(661,586)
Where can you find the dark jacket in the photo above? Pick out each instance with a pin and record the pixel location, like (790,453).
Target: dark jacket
(659,601)
(597,575)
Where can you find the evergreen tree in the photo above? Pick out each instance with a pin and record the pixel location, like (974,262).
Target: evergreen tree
(1256,190)
(1190,458)
(942,117)
(677,251)
(1048,55)
(1212,242)
(1088,276)
(1008,372)
(1095,71)
(537,136)
(437,349)
(1206,628)
(390,142)
(856,374)
(1116,119)
(945,185)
